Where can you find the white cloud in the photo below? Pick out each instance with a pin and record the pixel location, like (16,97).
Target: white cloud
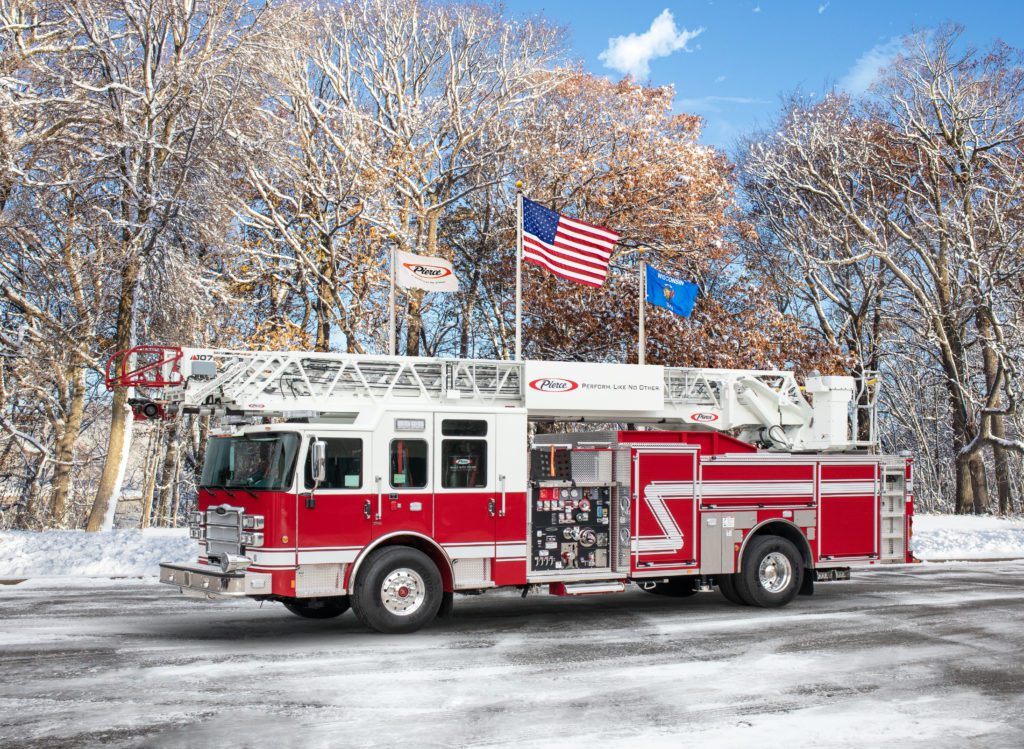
(757,9)
(631,54)
(713,103)
(719,79)
(823,7)
(864,72)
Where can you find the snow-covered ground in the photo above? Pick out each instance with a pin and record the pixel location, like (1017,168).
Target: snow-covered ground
(112,553)
(137,553)
(938,537)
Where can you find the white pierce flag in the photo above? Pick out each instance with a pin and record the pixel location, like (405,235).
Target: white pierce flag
(422,272)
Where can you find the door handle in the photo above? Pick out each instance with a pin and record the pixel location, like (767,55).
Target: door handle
(366,509)
(490,507)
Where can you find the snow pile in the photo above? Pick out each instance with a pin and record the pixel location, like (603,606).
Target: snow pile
(113,553)
(967,537)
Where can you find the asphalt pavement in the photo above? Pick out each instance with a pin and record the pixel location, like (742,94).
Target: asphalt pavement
(926,655)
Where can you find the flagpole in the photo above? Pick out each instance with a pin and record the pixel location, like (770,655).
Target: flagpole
(519,271)
(391,303)
(641,347)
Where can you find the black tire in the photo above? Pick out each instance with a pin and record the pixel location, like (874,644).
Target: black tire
(727,587)
(319,608)
(677,587)
(784,565)
(408,573)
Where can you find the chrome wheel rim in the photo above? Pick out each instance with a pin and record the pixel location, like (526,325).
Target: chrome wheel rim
(775,572)
(403,592)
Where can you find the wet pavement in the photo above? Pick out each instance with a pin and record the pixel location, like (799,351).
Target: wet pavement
(929,656)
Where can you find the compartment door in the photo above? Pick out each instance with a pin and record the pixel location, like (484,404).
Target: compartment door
(664,509)
(848,511)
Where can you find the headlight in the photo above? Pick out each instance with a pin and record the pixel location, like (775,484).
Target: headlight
(252,539)
(252,522)
(196,532)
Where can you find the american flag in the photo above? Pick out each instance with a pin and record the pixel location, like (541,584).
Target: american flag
(565,246)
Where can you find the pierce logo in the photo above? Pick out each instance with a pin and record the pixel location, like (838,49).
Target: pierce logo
(554,385)
(430,272)
(704,416)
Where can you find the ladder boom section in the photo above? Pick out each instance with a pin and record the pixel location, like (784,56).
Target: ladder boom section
(762,406)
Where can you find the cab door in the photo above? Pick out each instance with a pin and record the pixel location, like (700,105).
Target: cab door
(466,498)
(403,477)
(334,518)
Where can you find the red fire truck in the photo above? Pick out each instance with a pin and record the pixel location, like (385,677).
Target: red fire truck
(387,484)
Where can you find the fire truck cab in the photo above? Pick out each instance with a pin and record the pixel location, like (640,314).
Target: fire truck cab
(386,484)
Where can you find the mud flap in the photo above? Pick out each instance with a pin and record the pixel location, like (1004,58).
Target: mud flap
(807,586)
(447,605)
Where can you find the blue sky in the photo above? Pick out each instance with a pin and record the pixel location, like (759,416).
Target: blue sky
(749,53)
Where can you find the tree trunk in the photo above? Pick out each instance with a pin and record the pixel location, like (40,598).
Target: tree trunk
(152,457)
(990,363)
(65,453)
(414,309)
(964,500)
(176,493)
(101,517)
(1001,465)
(324,296)
(979,484)
(109,489)
(31,513)
(167,475)
(413,322)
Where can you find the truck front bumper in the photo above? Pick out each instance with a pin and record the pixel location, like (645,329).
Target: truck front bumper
(203,581)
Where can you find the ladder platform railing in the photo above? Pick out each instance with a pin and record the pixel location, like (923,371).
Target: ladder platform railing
(269,383)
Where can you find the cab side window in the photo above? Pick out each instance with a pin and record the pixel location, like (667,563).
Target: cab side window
(464,460)
(408,464)
(344,464)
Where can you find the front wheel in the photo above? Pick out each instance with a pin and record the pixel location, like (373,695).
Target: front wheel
(319,608)
(398,590)
(771,573)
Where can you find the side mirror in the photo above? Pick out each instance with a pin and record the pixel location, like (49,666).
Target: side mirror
(318,461)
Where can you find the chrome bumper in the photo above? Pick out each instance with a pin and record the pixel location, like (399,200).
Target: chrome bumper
(200,581)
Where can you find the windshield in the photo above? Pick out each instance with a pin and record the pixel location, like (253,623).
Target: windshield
(251,461)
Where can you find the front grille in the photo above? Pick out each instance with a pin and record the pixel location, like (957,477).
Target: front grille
(224,530)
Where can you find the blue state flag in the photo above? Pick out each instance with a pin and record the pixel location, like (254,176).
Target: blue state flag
(670,293)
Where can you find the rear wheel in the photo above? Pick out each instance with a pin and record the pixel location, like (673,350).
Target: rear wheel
(319,608)
(398,590)
(727,587)
(771,574)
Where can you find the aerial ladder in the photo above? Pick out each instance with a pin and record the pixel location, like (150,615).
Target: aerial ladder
(763,407)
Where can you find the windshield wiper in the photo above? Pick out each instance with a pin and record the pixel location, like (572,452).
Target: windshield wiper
(222,488)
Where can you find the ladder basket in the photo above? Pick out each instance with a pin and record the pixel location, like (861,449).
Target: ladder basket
(145,366)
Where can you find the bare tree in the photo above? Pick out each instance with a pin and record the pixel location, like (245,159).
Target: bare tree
(919,182)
